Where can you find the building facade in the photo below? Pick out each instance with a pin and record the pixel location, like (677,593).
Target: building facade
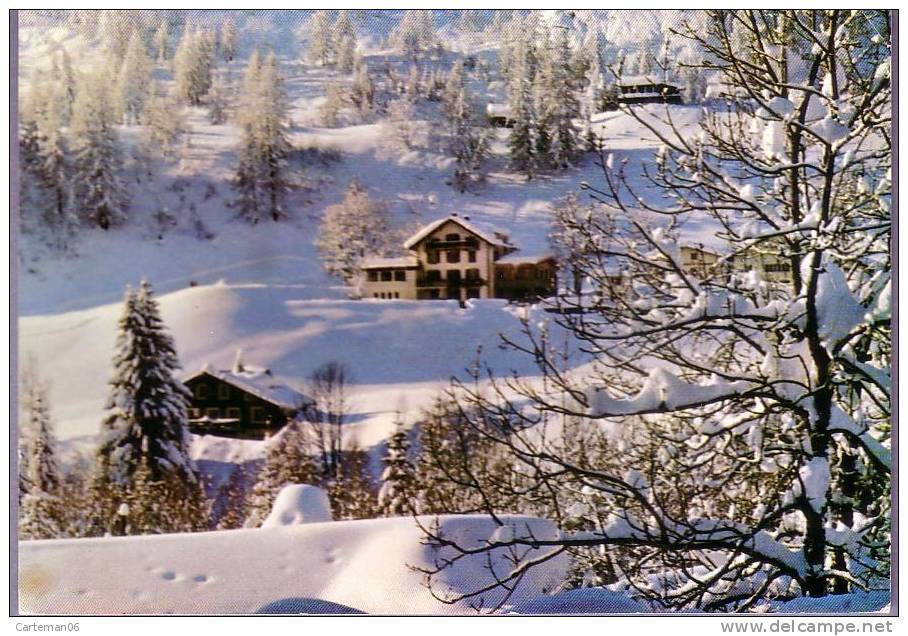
(454,258)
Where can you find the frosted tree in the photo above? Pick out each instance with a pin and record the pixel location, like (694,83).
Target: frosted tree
(146,422)
(131,87)
(218,101)
(116,28)
(415,35)
(65,84)
(97,155)
(41,512)
(753,396)
(164,121)
(228,40)
(520,103)
(288,461)
(398,488)
(325,416)
(232,496)
(193,64)
(345,39)
(350,230)
(321,41)
(162,42)
(262,179)
(469,143)
(556,105)
(331,106)
(454,87)
(351,492)
(362,89)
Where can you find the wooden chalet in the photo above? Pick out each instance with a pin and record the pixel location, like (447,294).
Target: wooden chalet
(243,402)
(647,92)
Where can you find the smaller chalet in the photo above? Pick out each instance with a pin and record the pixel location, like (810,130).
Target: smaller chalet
(499,116)
(244,402)
(644,91)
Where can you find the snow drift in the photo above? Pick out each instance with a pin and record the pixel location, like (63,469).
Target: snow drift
(361,565)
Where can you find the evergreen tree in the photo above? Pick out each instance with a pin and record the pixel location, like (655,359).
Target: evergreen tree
(288,461)
(41,509)
(556,106)
(193,64)
(362,89)
(164,121)
(146,423)
(218,101)
(454,89)
(351,492)
(131,87)
(520,103)
(232,498)
(345,37)
(321,46)
(397,493)
(415,35)
(261,179)
(98,160)
(469,143)
(162,42)
(228,40)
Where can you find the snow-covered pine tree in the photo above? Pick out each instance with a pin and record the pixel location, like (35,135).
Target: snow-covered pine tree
(345,38)
(288,460)
(351,493)
(97,156)
(331,106)
(351,230)
(396,497)
(147,419)
(218,100)
(162,42)
(321,41)
(469,143)
(415,35)
(65,80)
(261,179)
(454,87)
(41,511)
(164,121)
(520,104)
(232,496)
(193,64)
(228,40)
(362,89)
(132,82)
(556,104)
(117,27)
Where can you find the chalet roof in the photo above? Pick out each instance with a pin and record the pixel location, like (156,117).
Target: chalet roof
(487,234)
(498,110)
(258,382)
(379,262)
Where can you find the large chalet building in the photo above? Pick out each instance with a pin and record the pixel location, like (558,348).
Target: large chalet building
(245,402)
(456,258)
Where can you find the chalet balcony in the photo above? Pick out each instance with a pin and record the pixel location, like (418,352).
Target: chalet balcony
(464,244)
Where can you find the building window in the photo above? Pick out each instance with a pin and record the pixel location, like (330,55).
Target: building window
(400,275)
(432,257)
(194,413)
(372,276)
(386,275)
(257,414)
(452,237)
(453,256)
(471,256)
(201,391)
(433,293)
(223,392)
(213,413)
(433,276)
(233,413)
(472,274)
(777,267)
(473,292)
(375,295)
(397,294)
(694,256)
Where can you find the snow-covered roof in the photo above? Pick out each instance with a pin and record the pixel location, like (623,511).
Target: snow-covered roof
(498,110)
(523,259)
(380,262)
(637,80)
(258,382)
(486,233)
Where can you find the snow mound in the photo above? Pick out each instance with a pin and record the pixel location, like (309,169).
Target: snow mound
(366,565)
(296,504)
(875,601)
(584,601)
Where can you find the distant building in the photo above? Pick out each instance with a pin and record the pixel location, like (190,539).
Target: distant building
(643,91)
(455,258)
(245,402)
(499,115)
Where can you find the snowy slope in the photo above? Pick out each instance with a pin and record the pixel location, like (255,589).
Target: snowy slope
(360,564)
(398,352)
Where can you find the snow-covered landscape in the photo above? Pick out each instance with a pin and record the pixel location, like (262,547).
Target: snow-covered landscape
(663,386)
